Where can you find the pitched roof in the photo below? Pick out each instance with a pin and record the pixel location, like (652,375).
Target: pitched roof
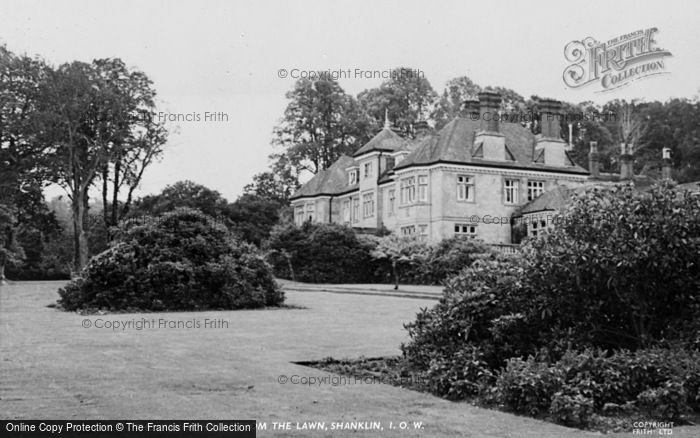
(331,181)
(555,199)
(455,144)
(560,196)
(386,140)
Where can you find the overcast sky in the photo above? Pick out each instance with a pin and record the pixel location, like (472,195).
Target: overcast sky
(224,56)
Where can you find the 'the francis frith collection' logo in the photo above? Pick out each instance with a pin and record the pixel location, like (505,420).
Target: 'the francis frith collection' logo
(616,62)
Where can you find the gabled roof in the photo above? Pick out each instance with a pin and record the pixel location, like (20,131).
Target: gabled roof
(560,196)
(386,140)
(455,144)
(552,200)
(331,181)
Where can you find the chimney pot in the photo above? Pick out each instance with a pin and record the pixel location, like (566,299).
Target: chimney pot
(626,160)
(550,111)
(594,160)
(489,103)
(421,128)
(471,109)
(666,163)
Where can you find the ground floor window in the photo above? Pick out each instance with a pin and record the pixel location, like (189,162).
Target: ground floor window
(346,210)
(310,211)
(465,230)
(356,209)
(368,205)
(538,227)
(423,231)
(299,215)
(408,231)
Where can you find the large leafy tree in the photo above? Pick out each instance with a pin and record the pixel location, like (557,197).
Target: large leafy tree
(20,153)
(183,194)
(408,98)
(321,123)
(138,137)
(93,116)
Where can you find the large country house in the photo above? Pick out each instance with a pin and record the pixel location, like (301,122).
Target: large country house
(468,179)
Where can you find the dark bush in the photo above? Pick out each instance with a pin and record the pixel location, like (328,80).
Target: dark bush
(319,253)
(181,260)
(528,386)
(669,401)
(660,382)
(571,408)
(330,253)
(478,307)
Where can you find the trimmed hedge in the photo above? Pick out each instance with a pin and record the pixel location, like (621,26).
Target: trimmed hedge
(181,260)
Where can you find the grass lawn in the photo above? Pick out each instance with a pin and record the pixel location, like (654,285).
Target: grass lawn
(54,368)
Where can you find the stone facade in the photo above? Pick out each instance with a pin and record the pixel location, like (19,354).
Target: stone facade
(468,179)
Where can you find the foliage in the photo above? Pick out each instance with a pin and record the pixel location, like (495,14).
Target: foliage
(472,311)
(528,386)
(407,96)
(402,252)
(620,269)
(321,123)
(181,260)
(318,253)
(571,409)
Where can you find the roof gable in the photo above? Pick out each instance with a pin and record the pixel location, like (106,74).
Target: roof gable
(386,140)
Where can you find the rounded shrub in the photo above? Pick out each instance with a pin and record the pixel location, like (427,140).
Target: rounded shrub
(181,260)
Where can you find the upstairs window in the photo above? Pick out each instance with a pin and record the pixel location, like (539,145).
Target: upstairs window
(510,191)
(465,188)
(368,170)
(422,188)
(408,190)
(534,189)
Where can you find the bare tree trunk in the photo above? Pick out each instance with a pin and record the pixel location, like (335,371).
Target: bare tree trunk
(395,270)
(80,238)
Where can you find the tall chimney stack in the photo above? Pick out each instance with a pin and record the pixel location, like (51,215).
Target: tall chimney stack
(626,159)
(550,111)
(550,141)
(666,163)
(421,128)
(594,160)
(489,103)
(470,109)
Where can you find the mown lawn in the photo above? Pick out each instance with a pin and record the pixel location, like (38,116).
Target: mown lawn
(54,368)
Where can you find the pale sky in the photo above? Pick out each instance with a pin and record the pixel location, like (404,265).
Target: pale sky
(224,56)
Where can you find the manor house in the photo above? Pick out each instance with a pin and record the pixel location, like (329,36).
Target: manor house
(468,179)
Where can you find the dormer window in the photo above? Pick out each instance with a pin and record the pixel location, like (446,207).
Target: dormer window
(352,177)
